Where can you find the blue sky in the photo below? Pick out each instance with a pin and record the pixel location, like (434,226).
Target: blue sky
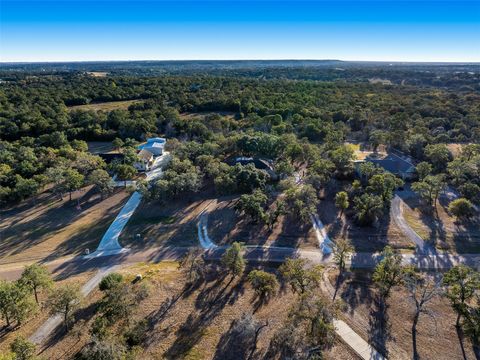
(73,30)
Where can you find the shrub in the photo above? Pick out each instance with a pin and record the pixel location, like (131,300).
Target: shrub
(110,281)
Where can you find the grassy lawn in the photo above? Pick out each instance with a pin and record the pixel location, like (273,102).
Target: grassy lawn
(105,106)
(414,221)
(52,228)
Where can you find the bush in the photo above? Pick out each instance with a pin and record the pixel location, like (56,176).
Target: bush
(110,281)
(135,335)
(461,208)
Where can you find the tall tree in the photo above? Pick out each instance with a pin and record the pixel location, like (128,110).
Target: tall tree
(341,201)
(73,181)
(430,188)
(36,276)
(65,300)
(233,260)
(300,275)
(102,181)
(421,289)
(389,272)
(461,283)
(252,205)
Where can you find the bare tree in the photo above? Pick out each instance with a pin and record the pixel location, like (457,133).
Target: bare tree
(422,289)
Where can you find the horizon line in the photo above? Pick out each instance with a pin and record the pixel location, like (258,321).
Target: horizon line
(240,60)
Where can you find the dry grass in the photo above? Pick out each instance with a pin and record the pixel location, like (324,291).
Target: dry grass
(42,315)
(443,229)
(455,149)
(105,106)
(204,115)
(188,323)
(226,226)
(97,73)
(437,337)
(174,223)
(54,228)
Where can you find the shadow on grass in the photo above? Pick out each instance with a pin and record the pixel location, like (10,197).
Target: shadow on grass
(209,304)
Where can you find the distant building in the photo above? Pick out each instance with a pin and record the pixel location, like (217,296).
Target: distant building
(145,160)
(261,164)
(153,145)
(392,163)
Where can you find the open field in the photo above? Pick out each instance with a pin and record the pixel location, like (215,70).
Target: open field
(186,322)
(442,228)
(105,106)
(53,228)
(97,73)
(436,338)
(173,224)
(206,114)
(33,323)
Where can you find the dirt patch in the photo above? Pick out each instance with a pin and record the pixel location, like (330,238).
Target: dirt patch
(99,147)
(105,106)
(189,323)
(437,337)
(441,228)
(52,228)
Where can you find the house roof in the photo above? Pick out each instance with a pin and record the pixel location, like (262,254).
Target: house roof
(156,140)
(259,163)
(145,155)
(393,164)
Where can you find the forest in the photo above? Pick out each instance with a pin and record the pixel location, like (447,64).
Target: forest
(288,121)
(307,121)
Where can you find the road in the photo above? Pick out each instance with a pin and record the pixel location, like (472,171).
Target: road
(396,212)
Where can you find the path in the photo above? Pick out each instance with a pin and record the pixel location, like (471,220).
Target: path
(108,246)
(53,322)
(396,212)
(350,337)
(324,242)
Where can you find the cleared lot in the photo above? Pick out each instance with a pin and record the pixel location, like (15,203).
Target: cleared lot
(54,228)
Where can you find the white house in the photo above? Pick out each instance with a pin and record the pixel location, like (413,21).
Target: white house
(145,160)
